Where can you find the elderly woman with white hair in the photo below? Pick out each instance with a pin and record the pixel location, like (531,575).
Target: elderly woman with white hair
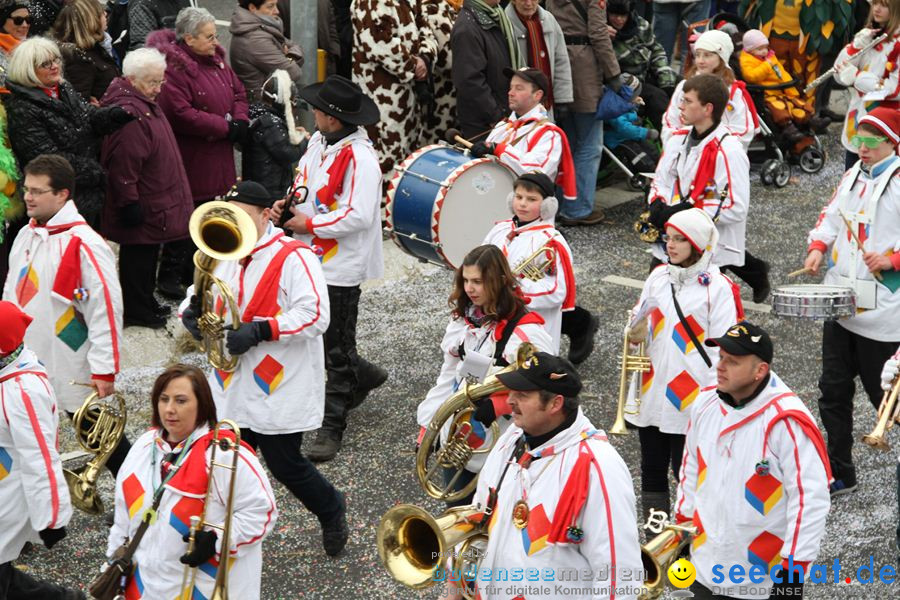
(206,105)
(148,197)
(47,116)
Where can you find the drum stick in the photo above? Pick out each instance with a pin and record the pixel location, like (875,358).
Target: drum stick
(454,136)
(802,271)
(859,244)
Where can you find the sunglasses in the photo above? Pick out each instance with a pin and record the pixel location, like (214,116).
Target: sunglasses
(17,21)
(869,142)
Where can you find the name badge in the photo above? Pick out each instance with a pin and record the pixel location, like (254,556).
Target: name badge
(475,366)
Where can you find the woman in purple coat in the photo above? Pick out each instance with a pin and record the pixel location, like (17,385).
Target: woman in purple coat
(207,108)
(148,197)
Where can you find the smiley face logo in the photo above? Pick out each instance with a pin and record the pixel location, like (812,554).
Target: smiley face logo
(682,573)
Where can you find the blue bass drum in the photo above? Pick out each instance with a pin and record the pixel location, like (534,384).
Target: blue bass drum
(441,203)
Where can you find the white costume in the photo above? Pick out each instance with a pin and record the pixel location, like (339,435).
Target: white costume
(529,143)
(342,208)
(754,483)
(871,202)
(33,492)
(279,384)
(686,172)
(711,304)
(873,81)
(739,116)
(553,293)
(158,572)
(580,456)
(64,275)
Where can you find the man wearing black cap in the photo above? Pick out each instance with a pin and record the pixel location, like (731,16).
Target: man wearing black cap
(561,496)
(755,473)
(277,391)
(338,193)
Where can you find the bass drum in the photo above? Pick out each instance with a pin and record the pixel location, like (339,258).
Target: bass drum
(441,203)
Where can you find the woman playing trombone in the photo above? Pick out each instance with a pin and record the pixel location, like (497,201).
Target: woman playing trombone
(172,459)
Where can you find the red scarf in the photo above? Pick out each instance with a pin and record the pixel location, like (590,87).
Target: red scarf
(264,302)
(538,55)
(325,195)
(68,275)
(706,172)
(565,177)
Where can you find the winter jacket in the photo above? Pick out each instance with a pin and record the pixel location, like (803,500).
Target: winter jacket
(144,168)
(622,129)
(480,53)
(560,70)
(8,43)
(258,47)
(590,50)
(43,13)
(269,157)
(640,54)
(89,71)
(145,16)
(39,124)
(200,96)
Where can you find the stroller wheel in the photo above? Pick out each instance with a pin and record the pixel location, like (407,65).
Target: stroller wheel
(812,159)
(767,171)
(637,183)
(782,174)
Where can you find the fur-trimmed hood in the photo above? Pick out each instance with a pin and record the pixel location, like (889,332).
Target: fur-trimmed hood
(179,56)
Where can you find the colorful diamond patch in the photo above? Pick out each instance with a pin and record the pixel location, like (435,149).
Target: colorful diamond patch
(682,390)
(184,509)
(325,249)
(763,492)
(701,468)
(5,463)
(700,538)
(646,380)
(765,550)
(682,338)
(657,322)
(134,590)
(134,495)
(268,374)
(534,535)
(71,329)
(223,378)
(27,285)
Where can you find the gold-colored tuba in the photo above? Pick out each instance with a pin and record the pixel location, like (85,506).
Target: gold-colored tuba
(541,262)
(456,451)
(660,552)
(413,545)
(99,425)
(633,364)
(888,414)
(221,232)
(198,522)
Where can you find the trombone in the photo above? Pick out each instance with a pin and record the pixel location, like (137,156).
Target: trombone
(634,364)
(888,414)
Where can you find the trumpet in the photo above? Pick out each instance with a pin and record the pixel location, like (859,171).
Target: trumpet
(633,364)
(538,265)
(659,553)
(828,74)
(888,414)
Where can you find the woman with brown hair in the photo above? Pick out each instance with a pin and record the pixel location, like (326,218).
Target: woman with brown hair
(171,461)
(90,67)
(488,323)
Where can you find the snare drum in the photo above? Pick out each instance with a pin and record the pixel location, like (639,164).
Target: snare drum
(441,203)
(814,301)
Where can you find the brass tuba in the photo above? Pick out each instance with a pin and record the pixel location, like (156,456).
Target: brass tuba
(99,426)
(456,452)
(413,545)
(633,364)
(221,232)
(660,552)
(538,265)
(198,522)
(888,414)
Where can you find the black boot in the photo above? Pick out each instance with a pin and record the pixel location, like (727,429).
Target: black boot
(336,532)
(582,344)
(368,377)
(325,447)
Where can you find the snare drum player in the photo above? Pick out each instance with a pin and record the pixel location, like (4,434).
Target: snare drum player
(868,197)
(704,166)
(341,221)
(531,229)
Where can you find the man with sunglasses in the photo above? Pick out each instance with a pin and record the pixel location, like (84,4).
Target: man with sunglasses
(867,201)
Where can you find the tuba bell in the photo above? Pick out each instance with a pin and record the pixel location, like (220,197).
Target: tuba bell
(660,552)
(457,451)
(633,364)
(888,414)
(221,232)
(99,425)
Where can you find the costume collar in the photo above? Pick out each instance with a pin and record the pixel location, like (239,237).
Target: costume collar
(876,170)
(535,114)
(730,401)
(67,217)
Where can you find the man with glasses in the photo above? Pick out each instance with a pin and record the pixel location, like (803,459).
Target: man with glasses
(859,230)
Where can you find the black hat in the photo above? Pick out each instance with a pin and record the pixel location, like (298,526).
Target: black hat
(342,99)
(618,7)
(745,338)
(250,192)
(8,7)
(535,76)
(544,372)
(546,185)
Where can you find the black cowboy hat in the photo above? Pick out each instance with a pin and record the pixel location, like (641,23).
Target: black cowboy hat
(342,99)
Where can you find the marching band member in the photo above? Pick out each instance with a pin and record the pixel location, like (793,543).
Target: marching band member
(277,391)
(704,166)
(754,478)
(488,323)
(341,221)
(561,495)
(685,301)
(533,204)
(172,461)
(888,374)
(34,500)
(63,274)
(868,198)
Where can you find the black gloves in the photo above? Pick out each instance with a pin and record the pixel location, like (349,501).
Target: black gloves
(616,83)
(660,212)
(51,536)
(247,336)
(130,215)
(189,318)
(204,548)
(237,131)
(120,116)
(479,149)
(484,412)
(561,112)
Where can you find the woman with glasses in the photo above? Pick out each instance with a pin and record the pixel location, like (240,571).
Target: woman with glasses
(207,108)
(148,197)
(867,201)
(90,65)
(47,116)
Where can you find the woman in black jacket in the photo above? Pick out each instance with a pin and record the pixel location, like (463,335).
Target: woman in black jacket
(80,30)
(47,116)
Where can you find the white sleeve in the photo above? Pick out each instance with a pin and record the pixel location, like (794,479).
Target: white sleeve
(9,286)
(308,310)
(733,170)
(446,379)
(685,500)
(663,184)
(671,120)
(120,532)
(102,308)
(359,202)
(739,118)
(829,223)
(528,332)
(254,502)
(544,156)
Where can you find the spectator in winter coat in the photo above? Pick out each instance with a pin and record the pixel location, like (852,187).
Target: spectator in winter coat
(80,30)
(43,15)
(258,45)
(440,15)
(148,197)
(145,16)
(46,116)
